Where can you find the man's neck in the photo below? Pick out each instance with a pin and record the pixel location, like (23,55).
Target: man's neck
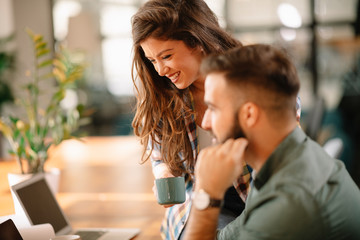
(261,149)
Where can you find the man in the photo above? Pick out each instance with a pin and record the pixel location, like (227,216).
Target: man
(298,192)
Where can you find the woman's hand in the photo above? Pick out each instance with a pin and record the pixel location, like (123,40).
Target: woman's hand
(155,193)
(161,171)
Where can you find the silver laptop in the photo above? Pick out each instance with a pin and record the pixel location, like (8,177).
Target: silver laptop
(40,206)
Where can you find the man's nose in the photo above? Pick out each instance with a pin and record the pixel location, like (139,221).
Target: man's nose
(162,69)
(206,122)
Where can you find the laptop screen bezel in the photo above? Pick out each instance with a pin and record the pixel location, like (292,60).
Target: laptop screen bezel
(34,179)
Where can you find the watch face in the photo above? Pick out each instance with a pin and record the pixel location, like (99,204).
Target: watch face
(202,200)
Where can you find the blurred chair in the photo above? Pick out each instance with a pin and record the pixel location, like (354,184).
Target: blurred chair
(334,147)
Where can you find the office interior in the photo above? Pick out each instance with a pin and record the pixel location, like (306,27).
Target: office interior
(321,36)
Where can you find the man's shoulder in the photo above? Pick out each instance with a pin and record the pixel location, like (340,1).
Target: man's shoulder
(282,213)
(308,166)
(290,208)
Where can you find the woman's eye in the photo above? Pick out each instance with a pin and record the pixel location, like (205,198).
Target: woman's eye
(152,61)
(167,56)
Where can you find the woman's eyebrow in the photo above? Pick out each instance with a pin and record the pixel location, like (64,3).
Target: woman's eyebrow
(161,52)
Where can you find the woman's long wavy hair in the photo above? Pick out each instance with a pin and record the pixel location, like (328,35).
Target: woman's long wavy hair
(161,109)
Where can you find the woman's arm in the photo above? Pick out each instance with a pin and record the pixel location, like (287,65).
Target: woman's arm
(159,168)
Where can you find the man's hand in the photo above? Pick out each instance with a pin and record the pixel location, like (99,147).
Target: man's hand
(219,166)
(216,168)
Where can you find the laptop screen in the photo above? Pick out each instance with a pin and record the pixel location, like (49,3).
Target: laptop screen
(8,231)
(39,203)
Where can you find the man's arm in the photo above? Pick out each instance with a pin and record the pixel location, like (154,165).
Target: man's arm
(202,224)
(216,168)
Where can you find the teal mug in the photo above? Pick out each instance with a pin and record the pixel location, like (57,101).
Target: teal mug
(170,190)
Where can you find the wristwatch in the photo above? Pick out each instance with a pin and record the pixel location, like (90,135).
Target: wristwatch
(202,200)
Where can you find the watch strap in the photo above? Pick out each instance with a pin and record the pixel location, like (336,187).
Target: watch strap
(216,203)
(201,198)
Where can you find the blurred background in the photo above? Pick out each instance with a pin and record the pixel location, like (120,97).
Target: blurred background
(321,36)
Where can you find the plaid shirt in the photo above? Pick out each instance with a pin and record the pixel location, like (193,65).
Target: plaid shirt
(176,216)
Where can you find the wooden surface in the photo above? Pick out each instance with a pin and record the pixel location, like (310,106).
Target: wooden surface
(102,184)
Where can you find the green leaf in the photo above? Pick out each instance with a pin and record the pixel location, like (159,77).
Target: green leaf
(13,119)
(45,131)
(42,132)
(40,45)
(16,133)
(50,108)
(37,38)
(80,108)
(45,63)
(32,88)
(59,95)
(60,65)
(6,129)
(59,75)
(38,129)
(21,149)
(32,153)
(42,52)
(29,135)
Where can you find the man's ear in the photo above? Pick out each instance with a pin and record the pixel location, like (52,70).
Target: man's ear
(249,114)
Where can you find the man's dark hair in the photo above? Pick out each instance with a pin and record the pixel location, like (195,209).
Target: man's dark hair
(260,68)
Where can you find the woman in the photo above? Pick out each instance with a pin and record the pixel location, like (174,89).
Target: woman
(170,38)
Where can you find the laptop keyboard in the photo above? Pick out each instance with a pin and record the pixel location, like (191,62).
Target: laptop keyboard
(90,235)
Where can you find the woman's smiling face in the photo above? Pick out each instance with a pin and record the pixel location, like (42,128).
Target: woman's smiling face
(173,59)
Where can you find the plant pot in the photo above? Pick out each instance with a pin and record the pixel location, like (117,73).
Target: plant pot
(52,177)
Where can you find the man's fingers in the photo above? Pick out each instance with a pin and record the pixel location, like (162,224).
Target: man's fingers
(218,166)
(234,148)
(238,148)
(227,145)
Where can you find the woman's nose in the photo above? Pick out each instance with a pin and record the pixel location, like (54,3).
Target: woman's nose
(162,69)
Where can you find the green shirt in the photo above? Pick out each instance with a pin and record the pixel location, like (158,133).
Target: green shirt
(299,193)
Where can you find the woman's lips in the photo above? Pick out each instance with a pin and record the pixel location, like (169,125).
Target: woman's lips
(174,77)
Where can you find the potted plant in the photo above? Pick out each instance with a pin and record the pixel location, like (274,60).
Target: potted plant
(31,135)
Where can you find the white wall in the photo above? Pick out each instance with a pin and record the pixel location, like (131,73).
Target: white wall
(6,18)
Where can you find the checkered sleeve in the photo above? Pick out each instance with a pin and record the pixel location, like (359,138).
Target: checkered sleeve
(242,184)
(176,216)
(159,168)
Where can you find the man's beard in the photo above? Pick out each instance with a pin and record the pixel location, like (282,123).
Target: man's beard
(236,131)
